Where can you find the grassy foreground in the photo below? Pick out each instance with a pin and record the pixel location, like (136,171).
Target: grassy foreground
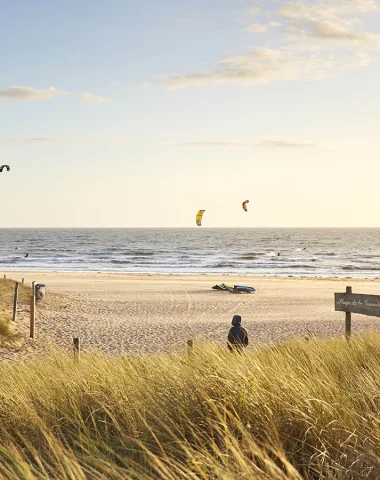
(297,410)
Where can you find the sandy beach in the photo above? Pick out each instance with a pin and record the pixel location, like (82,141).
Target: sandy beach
(128,313)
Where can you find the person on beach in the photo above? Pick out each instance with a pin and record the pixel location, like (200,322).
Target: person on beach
(237,336)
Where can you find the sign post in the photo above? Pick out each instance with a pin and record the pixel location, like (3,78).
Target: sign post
(348,318)
(356,303)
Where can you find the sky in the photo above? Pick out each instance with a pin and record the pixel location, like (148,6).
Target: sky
(136,114)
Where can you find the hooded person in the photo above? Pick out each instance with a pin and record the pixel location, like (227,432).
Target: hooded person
(237,336)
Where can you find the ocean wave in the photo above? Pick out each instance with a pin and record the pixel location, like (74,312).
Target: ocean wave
(303,266)
(121,262)
(224,265)
(363,269)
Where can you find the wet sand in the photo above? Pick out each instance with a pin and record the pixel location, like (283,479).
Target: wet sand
(130,313)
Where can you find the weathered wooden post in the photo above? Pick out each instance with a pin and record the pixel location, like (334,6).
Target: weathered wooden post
(15,298)
(22,281)
(76,341)
(190,347)
(32,316)
(350,303)
(5,277)
(348,318)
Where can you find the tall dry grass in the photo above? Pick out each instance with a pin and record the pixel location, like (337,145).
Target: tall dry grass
(297,410)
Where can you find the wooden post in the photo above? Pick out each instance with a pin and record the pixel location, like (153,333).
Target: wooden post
(15,298)
(190,347)
(348,318)
(22,281)
(5,277)
(32,315)
(76,341)
(33,288)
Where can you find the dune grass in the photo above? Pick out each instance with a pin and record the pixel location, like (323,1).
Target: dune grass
(7,288)
(292,411)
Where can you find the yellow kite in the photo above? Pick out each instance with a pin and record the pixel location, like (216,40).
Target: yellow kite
(199,216)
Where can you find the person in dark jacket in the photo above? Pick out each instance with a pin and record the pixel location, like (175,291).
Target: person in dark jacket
(237,336)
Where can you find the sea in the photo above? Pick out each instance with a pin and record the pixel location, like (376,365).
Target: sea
(321,252)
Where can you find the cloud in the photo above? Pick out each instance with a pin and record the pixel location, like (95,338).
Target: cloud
(262,27)
(262,144)
(319,11)
(94,138)
(265,65)
(317,42)
(254,10)
(335,33)
(26,140)
(18,93)
(285,144)
(127,141)
(329,22)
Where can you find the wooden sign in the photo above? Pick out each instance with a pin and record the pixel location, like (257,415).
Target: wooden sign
(358,303)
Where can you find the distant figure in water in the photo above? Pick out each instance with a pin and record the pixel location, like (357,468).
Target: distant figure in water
(238,336)
(27,255)
(304,248)
(278,254)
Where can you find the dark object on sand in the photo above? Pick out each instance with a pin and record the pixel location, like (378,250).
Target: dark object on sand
(234,288)
(27,255)
(222,286)
(237,336)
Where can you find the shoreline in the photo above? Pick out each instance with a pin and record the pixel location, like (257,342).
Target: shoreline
(190,275)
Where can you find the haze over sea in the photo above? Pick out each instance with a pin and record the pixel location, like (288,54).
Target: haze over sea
(297,252)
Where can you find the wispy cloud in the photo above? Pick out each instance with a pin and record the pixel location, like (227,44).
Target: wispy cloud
(285,144)
(127,141)
(318,39)
(260,144)
(89,139)
(18,93)
(322,10)
(335,32)
(262,27)
(26,140)
(254,10)
(265,65)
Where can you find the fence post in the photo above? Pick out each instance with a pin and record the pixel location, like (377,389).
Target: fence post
(348,318)
(32,315)
(22,281)
(190,347)
(15,298)
(76,341)
(5,277)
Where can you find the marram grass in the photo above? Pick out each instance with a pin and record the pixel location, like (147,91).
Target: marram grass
(297,410)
